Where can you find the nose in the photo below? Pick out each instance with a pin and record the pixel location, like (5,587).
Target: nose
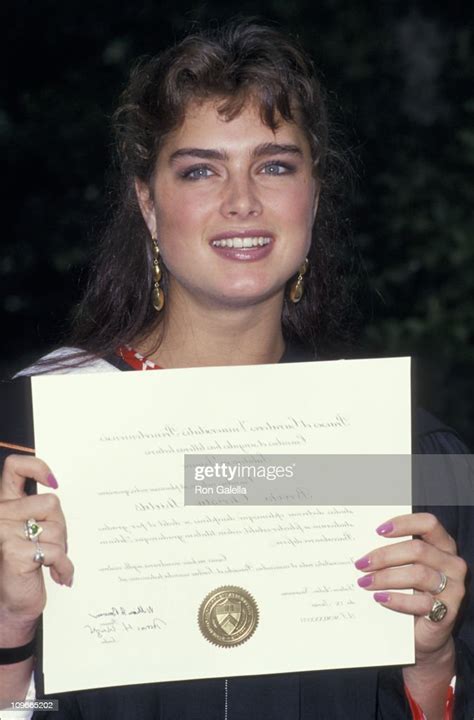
(241,198)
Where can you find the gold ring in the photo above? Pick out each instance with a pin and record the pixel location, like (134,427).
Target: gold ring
(438,611)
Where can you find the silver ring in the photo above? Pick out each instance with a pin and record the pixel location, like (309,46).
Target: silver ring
(443,581)
(33,530)
(438,611)
(39,555)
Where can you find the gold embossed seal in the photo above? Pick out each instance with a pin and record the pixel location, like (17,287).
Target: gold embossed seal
(228,616)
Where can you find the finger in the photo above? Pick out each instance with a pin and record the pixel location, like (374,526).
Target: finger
(50,532)
(18,559)
(424,525)
(17,468)
(419,605)
(417,577)
(44,507)
(413,551)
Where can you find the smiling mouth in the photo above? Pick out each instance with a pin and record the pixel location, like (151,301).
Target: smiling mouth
(242,242)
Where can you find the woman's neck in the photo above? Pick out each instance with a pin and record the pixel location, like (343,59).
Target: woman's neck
(226,336)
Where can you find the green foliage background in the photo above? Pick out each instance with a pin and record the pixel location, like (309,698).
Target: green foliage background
(400,76)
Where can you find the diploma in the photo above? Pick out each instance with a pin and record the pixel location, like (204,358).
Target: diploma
(165,590)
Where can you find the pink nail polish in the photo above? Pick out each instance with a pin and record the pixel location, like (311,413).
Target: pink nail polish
(385,528)
(362,563)
(382,597)
(52,482)
(365,581)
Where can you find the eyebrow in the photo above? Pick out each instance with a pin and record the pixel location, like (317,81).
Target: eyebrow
(264,150)
(276,149)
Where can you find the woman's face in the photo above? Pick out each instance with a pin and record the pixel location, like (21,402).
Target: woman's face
(232,206)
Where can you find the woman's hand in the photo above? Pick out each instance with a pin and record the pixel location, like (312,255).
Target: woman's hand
(22,589)
(417,564)
(425,564)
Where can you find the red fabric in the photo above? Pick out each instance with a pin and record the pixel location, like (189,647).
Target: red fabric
(418,714)
(416,711)
(135,360)
(449,711)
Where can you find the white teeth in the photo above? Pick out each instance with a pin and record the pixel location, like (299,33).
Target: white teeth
(238,242)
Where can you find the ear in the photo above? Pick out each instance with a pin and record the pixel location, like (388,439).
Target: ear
(147,205)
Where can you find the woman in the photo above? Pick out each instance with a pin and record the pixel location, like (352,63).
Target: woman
(221,247)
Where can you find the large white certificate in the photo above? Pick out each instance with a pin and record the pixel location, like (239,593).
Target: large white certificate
(167,591)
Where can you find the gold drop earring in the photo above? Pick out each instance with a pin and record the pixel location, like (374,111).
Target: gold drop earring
(158,296)
(297,289)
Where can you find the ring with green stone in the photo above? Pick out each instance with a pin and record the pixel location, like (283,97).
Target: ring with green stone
(33,530)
